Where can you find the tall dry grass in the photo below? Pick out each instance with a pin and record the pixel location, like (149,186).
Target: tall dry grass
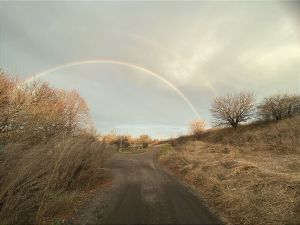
(280,136)
(248,176)
(42,182)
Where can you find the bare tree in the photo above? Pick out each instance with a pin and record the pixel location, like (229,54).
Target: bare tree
(6,85)
(232,109)
(279,106)
(76,111)
(197,127)
(36,111)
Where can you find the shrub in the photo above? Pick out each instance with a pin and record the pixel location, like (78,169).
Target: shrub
(197,127)
(279,106)
(144,140)
(34,112)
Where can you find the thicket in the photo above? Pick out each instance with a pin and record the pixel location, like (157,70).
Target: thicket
(49,157)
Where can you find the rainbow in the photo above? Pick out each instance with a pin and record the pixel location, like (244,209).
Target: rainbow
(121,63)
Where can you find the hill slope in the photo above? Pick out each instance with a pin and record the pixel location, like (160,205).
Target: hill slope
(247,176)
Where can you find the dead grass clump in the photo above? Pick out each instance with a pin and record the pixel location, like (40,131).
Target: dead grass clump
(39,182)
(282,136)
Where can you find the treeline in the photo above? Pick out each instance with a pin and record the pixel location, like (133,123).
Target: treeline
(114,140)
(35,111)
(233,109)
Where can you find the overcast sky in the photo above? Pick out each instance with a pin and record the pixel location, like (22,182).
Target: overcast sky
(203,48)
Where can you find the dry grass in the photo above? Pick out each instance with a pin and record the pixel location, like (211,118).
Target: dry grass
(280,136)
(249,176)
(47,181)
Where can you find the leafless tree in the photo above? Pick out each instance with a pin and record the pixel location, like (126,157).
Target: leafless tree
(279,106)
(36,111)
(232,109)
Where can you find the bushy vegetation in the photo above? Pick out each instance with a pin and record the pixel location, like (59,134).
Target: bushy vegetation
(120,142)
(279,106)
(234,109)
(49,157)
(34,111)
(197,127)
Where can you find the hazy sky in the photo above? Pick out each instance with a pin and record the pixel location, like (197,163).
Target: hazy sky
(202,48)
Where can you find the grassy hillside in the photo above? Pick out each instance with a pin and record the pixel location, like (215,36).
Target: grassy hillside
(247,176)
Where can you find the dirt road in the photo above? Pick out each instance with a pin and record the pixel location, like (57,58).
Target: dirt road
(143,193)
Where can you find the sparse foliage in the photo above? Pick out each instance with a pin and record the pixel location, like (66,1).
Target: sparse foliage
(197,127)
(35,111)
(279,106)
(232,109)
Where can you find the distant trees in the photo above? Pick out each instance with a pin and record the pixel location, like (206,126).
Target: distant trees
(127,141)
(279,106)
(232,109)
(197,127)
(36,111)
(144,140)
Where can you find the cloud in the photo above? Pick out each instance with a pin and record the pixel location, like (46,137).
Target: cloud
(204,48)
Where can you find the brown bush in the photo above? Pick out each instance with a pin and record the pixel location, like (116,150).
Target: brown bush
(114,140)
(197,127)
(279,106)
(49,157)
(232,109)
(35,111)
(144,140)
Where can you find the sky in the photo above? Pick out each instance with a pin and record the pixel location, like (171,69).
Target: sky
(176,57)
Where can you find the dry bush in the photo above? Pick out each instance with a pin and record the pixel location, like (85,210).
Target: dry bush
(116,141)
(34,112)
(144,140)
(197,127)
(122,141)
(108,139)
(279,106)
(7,85)
(49,157)
(37,183)
(232,109)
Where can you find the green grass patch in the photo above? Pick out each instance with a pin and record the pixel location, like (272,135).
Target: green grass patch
(164,149)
